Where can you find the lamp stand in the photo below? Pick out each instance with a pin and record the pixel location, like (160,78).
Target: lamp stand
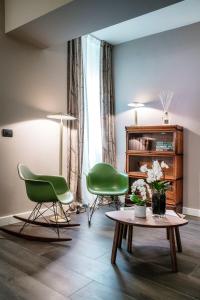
(136,117)
(60,218)
(136,105)
(61,147)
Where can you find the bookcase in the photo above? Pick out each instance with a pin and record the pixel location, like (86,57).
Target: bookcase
(145,144)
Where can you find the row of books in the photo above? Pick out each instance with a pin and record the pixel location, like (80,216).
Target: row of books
(140,144)
(148,144)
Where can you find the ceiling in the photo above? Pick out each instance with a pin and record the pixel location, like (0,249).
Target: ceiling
(20,12)
(167,18)
(80,17)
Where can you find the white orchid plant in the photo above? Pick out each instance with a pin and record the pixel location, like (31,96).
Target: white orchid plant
(141,192)
(142,189)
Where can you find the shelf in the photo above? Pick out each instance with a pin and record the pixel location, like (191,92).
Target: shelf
(165,128)
(151,153)
(142,175)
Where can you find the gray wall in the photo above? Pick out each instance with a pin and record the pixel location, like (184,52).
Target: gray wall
(32,83)
(142,68)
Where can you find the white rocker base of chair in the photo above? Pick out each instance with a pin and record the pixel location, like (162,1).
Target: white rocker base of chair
(59,219)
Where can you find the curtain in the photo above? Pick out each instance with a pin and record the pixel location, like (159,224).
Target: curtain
(92,152)
(107,106)
(75,106)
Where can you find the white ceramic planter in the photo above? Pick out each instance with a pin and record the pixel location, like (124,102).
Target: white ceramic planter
(140,211)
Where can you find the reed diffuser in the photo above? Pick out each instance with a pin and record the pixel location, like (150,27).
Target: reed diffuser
(166,99)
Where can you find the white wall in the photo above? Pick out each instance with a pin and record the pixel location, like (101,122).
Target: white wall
(20,12)
(144,67)
(32,84)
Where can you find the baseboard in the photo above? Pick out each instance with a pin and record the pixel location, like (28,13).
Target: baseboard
(6,220)
(191,211)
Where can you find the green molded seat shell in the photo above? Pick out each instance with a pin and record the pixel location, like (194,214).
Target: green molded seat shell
(104,180)
(65,198)
(45,188)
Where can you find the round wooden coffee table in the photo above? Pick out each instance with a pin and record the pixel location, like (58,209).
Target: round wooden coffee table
(171,223)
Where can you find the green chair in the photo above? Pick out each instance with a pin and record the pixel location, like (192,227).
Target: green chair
(104,180)
(49,193)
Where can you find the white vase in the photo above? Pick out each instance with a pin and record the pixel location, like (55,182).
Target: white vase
(140,211)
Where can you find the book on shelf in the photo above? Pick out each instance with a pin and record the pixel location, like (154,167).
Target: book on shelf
(136,144)
(141,144)
(164,146)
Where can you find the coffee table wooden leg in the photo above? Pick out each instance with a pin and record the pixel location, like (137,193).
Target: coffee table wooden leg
(115,243)
(125,231)
(172,249)
(121,227)
(167,229)
(178,239)
(130,237)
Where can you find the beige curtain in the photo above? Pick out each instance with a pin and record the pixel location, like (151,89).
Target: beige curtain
(75,107)
(107,105)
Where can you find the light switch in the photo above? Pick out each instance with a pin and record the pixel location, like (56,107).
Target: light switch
(7,132)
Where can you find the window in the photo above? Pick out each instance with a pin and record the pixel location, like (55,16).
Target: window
(92,152)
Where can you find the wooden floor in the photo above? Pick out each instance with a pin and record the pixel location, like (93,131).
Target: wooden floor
(81,269)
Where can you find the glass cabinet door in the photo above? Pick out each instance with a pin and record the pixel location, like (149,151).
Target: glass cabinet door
(153,141)
(135,163)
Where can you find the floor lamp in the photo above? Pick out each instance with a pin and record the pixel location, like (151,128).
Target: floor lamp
(136,105)
(61,117)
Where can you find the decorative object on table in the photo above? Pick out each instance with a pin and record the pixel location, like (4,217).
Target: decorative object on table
(141,192)
(135,105)
(61,117)
(48,193)
(158,186)
(170,140)
(166,99)
(105,181)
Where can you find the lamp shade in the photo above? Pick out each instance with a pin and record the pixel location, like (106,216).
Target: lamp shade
(61,116)
(136,104)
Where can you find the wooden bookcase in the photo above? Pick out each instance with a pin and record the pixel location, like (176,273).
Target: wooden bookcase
(163,143)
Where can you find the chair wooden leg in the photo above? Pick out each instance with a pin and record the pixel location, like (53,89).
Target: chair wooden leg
(35,214)
(43,224)
(172,249)
(120,236)
(178,239)
(35,238)
(115,242)
(130,237)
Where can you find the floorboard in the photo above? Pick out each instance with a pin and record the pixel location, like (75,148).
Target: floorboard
(81,269)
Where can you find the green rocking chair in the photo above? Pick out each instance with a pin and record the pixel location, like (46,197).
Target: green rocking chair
(104,180)
(50,193)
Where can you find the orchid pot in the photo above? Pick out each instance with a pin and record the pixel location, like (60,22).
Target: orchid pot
(140,195)
(140,211)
